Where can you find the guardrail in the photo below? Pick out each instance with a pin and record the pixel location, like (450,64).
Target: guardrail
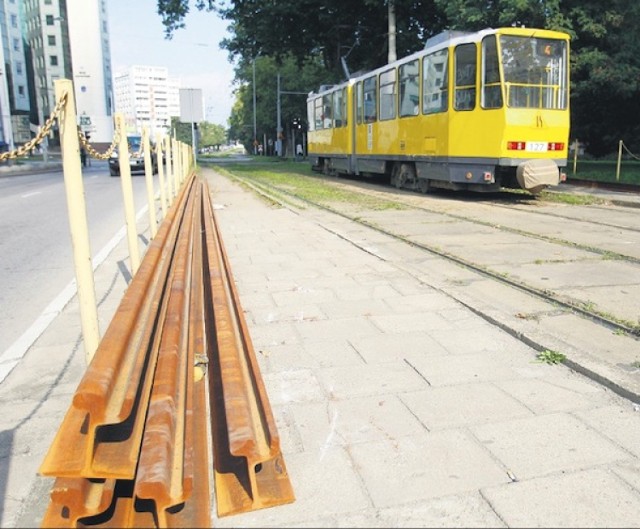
(132,449)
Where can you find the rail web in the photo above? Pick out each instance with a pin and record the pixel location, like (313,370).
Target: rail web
(174,378)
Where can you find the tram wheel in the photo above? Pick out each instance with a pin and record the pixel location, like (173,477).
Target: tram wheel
(423,185)
(406,175)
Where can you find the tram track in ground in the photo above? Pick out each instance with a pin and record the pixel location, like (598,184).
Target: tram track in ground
(583,308)
(610,254)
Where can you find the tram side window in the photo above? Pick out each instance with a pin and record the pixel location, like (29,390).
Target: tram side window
(409,89)
(435,82)
(491,93)
(359,103)
(388,94)
(465,78)
(370,99)
(339,110)
(318,113)
(327,111)
(311,114)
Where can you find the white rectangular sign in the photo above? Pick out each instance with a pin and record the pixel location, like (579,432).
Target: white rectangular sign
(191,105)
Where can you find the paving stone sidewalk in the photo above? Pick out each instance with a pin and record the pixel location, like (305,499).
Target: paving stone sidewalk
(398,406)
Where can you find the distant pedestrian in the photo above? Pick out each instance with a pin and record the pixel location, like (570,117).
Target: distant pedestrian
(83,156)
(299,151)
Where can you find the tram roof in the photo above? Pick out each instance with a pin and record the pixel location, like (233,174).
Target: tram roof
(444,40)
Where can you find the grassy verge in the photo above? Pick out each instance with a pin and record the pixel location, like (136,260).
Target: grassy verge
(605,171)
(299,180)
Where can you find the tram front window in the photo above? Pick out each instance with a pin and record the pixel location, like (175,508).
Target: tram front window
(535,72)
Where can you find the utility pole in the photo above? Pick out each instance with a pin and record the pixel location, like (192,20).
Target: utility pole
(279,124)
(255,129)
(279,118)
(392,32)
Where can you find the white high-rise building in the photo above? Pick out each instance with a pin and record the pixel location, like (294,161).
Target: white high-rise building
(147,96)
(91,67)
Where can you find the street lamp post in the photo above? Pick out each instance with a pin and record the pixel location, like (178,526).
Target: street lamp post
(255,129)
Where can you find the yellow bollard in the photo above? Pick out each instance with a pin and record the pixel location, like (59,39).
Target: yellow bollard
(127,194)
(170,169)
(163,191)
(619,161)
(177,170)
(78,218)
(148,176)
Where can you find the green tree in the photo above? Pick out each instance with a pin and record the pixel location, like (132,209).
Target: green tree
(327,29)
(181,131)
(211,135)
(605,74)
(605,63)
(293,78)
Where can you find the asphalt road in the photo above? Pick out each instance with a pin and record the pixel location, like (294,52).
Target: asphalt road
(36,259)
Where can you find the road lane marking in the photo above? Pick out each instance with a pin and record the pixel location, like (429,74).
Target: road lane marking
(11,357)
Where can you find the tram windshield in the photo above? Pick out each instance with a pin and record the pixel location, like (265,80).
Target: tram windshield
(535,72)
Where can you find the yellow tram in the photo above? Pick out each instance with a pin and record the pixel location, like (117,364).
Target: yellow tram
(476,111)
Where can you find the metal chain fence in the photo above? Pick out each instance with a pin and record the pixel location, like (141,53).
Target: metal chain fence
(42,133)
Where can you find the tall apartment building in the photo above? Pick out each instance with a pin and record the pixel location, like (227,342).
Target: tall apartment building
(147,96)
(68,39)
(47,53)
(14,93)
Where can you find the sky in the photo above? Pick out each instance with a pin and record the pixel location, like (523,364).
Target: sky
(193,55)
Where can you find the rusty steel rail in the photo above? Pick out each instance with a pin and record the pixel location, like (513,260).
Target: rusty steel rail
(249,469)
(133,448)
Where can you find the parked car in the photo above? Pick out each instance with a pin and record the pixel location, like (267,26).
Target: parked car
(136,163)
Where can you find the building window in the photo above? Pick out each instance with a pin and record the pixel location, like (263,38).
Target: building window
(49,20)
(51,39)
(14,21)
(21,91)
(16,44)
(53,60)
(19,67)
(47,2)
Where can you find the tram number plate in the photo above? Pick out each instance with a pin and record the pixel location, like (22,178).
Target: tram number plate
(537,146)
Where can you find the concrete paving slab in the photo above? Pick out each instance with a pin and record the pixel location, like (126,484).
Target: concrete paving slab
(393,347)
(616,300)
(334,352)
(549,396)
(461,510)
(293,386)
(487,366)
(629,473)
(336,490)
(505,255)
(418,468)
(353,421)
(538,446)
(621,424)
(583,274)
(442,408)
(590,498)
